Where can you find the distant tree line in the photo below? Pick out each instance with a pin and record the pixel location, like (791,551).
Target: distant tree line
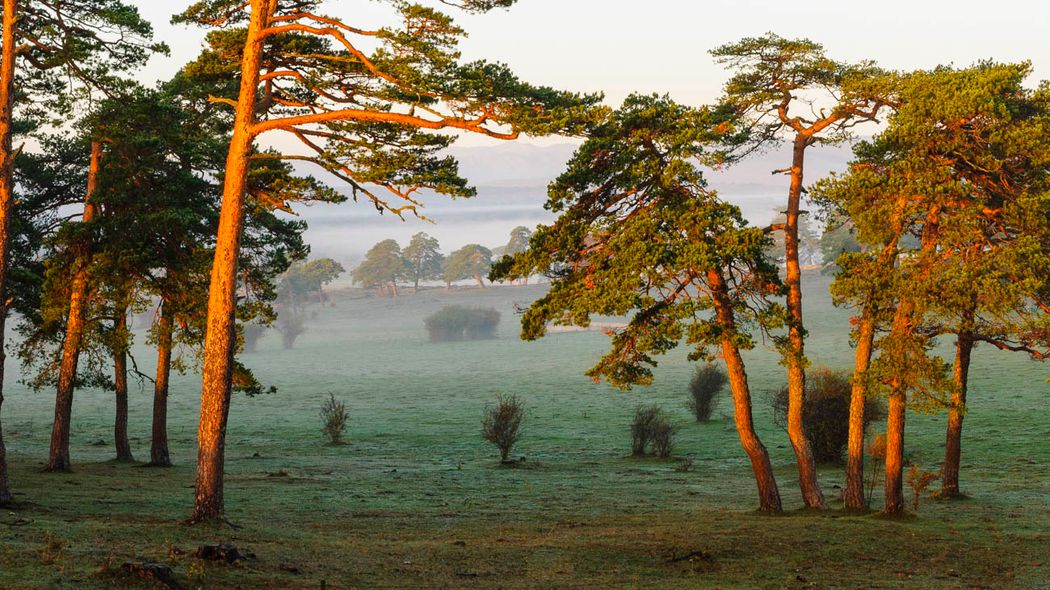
(386,265)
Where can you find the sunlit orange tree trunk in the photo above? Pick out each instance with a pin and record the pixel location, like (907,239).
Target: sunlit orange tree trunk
(773,76)
(7,165)
(639,235)
(346,107)
(79,286)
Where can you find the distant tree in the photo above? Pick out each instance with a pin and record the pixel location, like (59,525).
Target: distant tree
(838,239)
(519,242)
(472,261)
(774,84)
(308,277)
(382,267)
(360,114)
(639,235)
(423,259)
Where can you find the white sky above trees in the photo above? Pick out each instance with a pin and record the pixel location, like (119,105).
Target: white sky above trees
(619,47)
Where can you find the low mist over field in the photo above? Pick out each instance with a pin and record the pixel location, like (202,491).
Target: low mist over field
(512,184)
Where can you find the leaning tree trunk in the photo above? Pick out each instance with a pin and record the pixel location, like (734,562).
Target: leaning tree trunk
(120,381)
(220,333)
(481,281)
(7,170)
(768,493)
(58,459)
(159,454)
(953,443)
(796,357)
(853,495)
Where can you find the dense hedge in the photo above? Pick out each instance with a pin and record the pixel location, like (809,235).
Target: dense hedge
(457,323)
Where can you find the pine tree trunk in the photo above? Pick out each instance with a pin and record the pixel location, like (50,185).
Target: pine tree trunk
(768,493)
(895,455)
(120,380)
(393,289)
(159,455)
(796,356)
(953,443)
(58,459)
(7,170)
(481,282)
(220,334)
(853,495)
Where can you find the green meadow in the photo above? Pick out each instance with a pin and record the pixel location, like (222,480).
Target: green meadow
(416,499)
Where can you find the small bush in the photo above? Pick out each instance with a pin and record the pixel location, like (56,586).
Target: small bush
(335,417)
(919,481)
(501,425)
(457,323)
(876,457)
(826,415)
(651,431)
(707,383)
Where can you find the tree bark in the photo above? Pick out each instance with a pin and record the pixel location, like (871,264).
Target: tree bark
(795,359)
(159,455)
(895,454)
(58,459)
(853,496)
(953,443)
(120,381)
(220,332)
(768,493)
(7,171)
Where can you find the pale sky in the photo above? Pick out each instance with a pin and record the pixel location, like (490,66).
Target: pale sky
(621,47)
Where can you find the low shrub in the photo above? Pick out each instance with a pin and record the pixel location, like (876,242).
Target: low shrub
(501,425)
(826,415)
(919,481)
(704,388)
(652,432)
(457,323)
(334,416)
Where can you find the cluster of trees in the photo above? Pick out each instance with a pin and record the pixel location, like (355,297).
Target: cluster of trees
(386,264)
(941,228)
(180,208)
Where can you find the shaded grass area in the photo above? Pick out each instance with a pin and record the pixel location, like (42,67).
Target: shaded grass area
(418,500)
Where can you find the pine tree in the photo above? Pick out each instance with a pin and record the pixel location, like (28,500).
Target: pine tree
(639,235)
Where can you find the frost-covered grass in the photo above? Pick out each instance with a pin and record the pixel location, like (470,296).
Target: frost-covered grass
(418,499)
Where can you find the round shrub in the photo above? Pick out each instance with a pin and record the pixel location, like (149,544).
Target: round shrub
(826,415)
(704,388)
(457,323)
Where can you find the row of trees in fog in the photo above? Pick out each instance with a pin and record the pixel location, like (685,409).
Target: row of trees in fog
(387,264)
(180,209)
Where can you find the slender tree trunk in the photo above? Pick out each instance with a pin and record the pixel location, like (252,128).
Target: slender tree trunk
(853,496)
(159,455)
(796,356)
(220,334)
(953,443)
(58,459)
(393,289)
(120,380)
(481,282)
(7,170)
(895,454)
(768,493)
(903,323)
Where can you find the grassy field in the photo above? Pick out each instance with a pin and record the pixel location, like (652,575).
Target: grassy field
(418,500)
